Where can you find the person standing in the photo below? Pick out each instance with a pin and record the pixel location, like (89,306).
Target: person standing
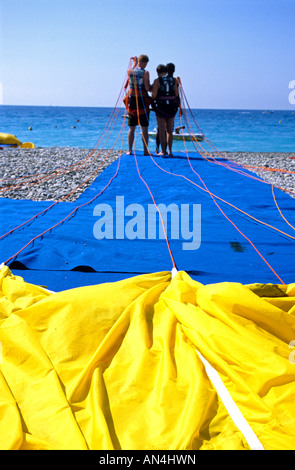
(166,102)
(161,71)
(138,102)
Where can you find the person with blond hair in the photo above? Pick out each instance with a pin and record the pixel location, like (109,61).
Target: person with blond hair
(138,101)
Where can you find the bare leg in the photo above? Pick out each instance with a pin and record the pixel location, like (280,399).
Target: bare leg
(162,134)
(130,139)
(145,139)
(157,142)
(170,126)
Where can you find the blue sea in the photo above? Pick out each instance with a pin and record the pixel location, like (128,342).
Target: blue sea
(82,127)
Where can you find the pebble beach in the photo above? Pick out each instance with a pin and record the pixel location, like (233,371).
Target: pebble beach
(52,174)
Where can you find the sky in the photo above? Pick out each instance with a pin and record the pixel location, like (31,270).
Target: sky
(229,54)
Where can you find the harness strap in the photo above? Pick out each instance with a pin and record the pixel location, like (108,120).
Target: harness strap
(137,92)
(144,99)
(170,98)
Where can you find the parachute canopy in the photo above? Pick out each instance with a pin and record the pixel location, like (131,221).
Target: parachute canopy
(117,365)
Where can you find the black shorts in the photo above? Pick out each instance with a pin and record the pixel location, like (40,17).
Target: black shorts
(143,120)
(165,109)
(144,112)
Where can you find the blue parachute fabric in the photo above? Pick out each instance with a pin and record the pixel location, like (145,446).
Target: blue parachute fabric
(70,255)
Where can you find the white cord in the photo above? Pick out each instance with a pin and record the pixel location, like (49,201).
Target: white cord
(173,272)
(231,407)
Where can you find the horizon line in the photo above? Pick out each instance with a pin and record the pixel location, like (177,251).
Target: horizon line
(122,107)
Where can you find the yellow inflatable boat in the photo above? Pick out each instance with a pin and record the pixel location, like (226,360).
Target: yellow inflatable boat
(8,140)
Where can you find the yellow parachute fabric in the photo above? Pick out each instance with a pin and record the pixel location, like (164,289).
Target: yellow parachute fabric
(116,366)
